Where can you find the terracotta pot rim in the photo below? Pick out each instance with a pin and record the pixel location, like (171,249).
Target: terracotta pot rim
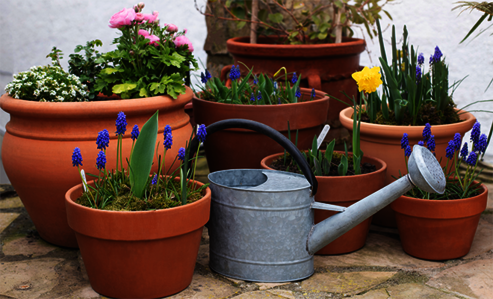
(394,131)
(95,108)
(241,45)
(243,106)
(375,173)
(447,201)
(103,212)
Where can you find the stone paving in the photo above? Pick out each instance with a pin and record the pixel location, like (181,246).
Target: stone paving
(32,268)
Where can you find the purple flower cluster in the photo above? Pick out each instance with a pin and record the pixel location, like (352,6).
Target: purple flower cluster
(168,141)
(255,79)
(154,180)
(205,77)
(426,132)
(418,73)
(181,154)
(476,131)
(103,139)
(298,93)
(234,74)
(294,79)
(121,124)
(135,132)
(436,56)
(76,157)
(421,59)
(313,93)
(101,160)
(405,141)
(453,146)
(407,151)
(201,133)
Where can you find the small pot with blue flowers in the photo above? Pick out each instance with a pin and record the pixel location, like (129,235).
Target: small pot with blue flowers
(275,101)
(442,227)
(138,230)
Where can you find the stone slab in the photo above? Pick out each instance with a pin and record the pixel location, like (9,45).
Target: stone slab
(473,279)
(284,294)
(349,283)
(406,291)
(6,219)
(203,255)
(483,240)
(206,287)
(29,278)
(85,293)
(11,203)
(28,247)
(269,285)
(379,251)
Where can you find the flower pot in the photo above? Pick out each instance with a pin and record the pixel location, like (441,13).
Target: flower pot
(384,142)
(145,254)
(327,67)
(239,148)
(345,191)
(438,229)
(40,139)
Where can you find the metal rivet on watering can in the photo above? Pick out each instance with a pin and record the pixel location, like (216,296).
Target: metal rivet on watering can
(261,225)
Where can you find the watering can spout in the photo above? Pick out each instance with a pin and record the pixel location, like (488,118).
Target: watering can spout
(424,172)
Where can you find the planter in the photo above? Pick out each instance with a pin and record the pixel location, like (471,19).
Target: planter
(146,254)
(326,67)
(384,142)
(345,191)
(40,139)
(240,148)
(438,229)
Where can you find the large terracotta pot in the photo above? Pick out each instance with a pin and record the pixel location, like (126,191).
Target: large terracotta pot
(326,67)
(384,142)
(345,191)
(40,139)
(147,254)
(240,148)
(438,229)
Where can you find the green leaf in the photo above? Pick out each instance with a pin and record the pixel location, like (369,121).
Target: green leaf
(143,92)
(276,17)
(110,70)
(329,151)
(121,88)
(240,25)
(142,156)
(342,169)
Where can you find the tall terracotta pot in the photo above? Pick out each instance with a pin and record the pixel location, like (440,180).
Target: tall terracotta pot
(326,67)
(438,229)
(384,142)
(239,148)
(147,254)
(345,191)
(40,139)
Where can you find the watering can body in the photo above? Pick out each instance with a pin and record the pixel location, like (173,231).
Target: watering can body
(262,225)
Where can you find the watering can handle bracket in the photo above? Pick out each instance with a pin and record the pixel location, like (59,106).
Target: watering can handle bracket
(238,123)
(328,207)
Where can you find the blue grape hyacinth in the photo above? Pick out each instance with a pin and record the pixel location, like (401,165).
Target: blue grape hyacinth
(168,141)
(252,97)
(103,139)
(408,151)
(471,160)
(181,154)
(421,143)
(255,79)
(418,73)
(298,93)
(135,132)
(294,79)
(426,132)
(259,96)
(404,141)
(201,133)
(203,78)
(235,74)
(154,180)
(482,144)
(76,157)
(121,124)
(464,152)
(421,59)
(431,143)
(167,130)
(476,131)
(450,150)
(101,160)
(313,93)
(457,141)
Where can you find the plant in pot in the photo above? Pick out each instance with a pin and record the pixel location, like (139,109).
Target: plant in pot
(271,101)
(338,173)
(442,227)
(310,37)
(52,110)
(138,233)
(410,98)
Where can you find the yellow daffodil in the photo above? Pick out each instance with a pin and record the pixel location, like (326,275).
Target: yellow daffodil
(368,79)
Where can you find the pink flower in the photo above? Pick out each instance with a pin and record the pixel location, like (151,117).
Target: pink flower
(171,28)
(143,32)
(183,40)
(122,18)
(153,40)
(139,17)
(151,18)
(185,31)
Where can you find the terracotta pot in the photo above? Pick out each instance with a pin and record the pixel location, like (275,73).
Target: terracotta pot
(438,229)
(326,67)
(384,142)
(239,148)
(40,138)
(345,191)
(147,254)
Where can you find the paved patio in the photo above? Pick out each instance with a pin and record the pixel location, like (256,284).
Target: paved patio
(32,268)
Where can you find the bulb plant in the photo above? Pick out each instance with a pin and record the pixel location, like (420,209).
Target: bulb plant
(253,89)
(459,185)
(134,188)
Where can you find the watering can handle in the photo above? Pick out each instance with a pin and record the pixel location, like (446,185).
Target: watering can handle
(238,123)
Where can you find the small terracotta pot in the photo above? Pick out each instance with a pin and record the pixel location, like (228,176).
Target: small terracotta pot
(40,138)
(438,229)
(326,67)
(147,254)
(345,191)
(384,142)
(240,148)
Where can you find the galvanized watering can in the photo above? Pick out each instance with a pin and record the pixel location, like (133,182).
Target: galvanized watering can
(261,226)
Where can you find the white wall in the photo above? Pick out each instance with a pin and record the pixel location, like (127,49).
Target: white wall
(433,23)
